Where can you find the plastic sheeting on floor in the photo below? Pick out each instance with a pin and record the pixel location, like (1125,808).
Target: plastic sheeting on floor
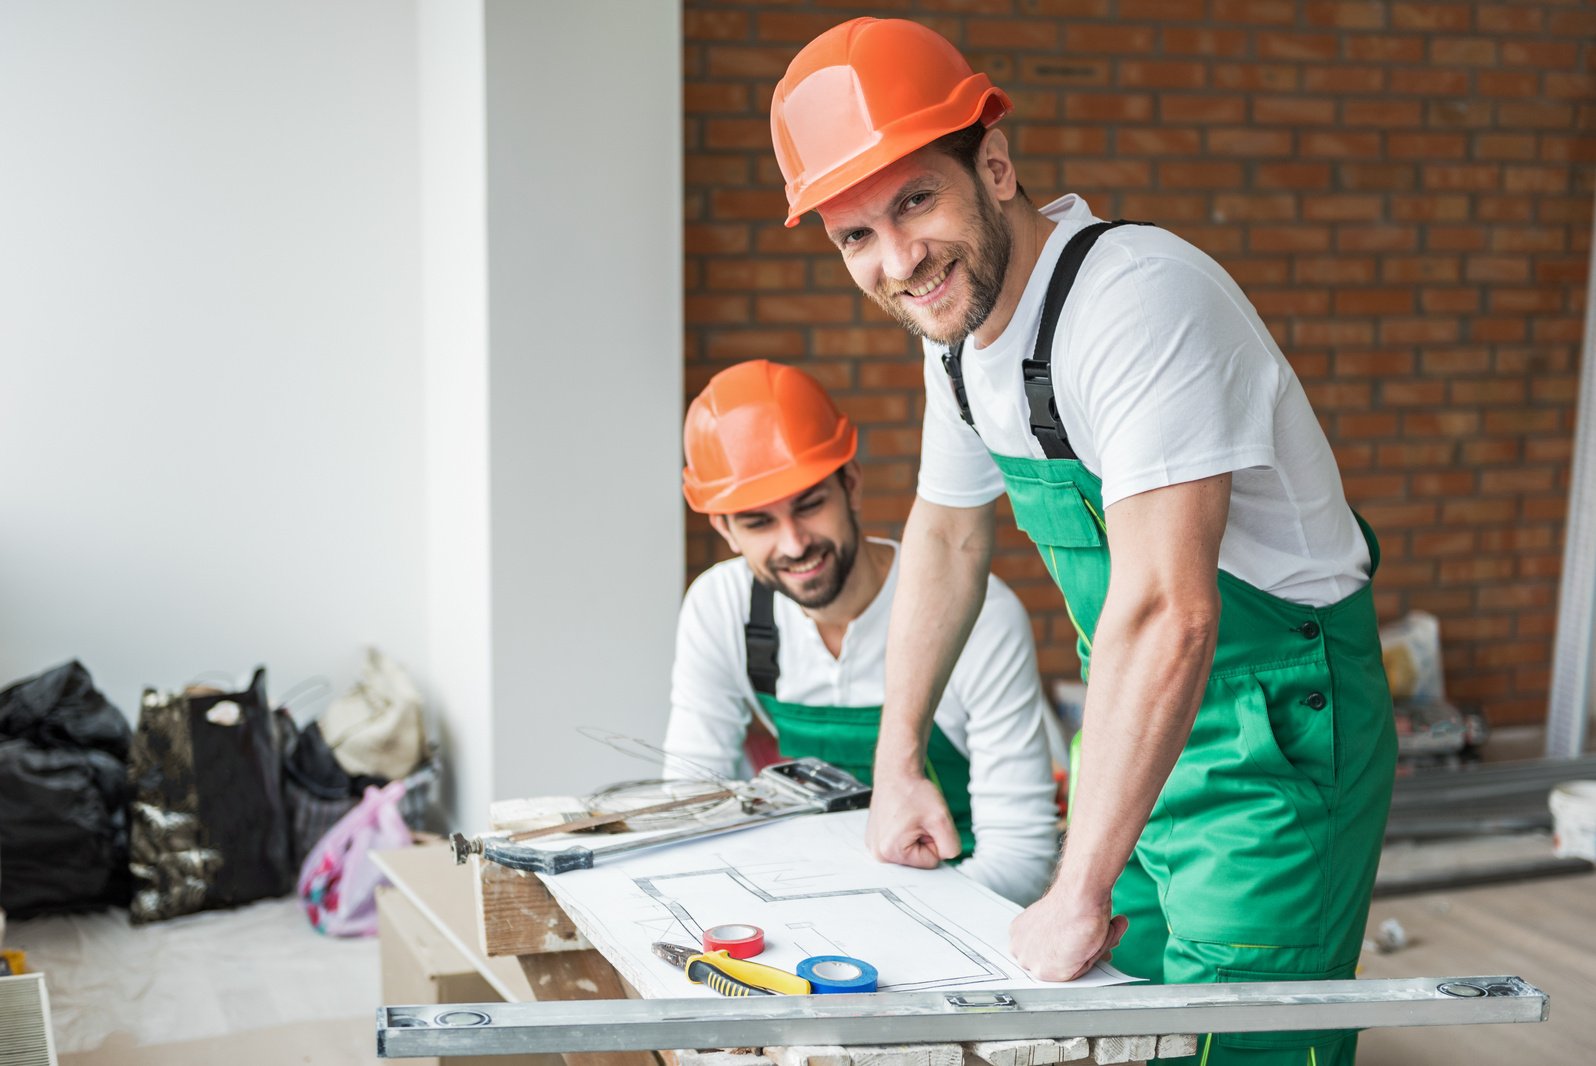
(200,976)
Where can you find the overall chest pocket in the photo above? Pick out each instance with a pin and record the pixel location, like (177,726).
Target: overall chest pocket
(1056,515)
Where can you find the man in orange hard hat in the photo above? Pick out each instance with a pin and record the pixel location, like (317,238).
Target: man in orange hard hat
(793,631)
(1238,746)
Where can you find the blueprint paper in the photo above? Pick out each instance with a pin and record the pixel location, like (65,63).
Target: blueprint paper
(810,884)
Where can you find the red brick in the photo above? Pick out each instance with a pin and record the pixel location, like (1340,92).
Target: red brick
(1203,41)
(1455,301)
(1478,177)
(1211,175)
(1347,14)
(705,239)
(1157,141)
(1295,110)
(1297,238)
(738,345)
(1449,113)
(1419,331)
(729,310)
(1385,113)
(1118,38)
(747,61)
(1011,33)
(1376,238)
(702,96)
(1392,363)
(700,25)
(1258,77)
(1343,208)
(861,341)
(1409,269)
(1107,107)
(1370,47)
(1391,176)
(760,273)
(1427,82)
(1430,16)
(1069,71)
(1537,114)
(708,171)
(1204,110)
(1164,207)
(1261,12)
(1342,79)
(1340,145)
(1273,207)
(1253,143)
(803,309)
(1293,175)
(1463,51)
(1510,18)
(1062,140)
(1541,55)
(1417,453)
(1374,302)
(1332,333)
(1107,174)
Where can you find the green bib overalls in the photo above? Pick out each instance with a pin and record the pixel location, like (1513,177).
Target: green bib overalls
(843,736)
(1258,860)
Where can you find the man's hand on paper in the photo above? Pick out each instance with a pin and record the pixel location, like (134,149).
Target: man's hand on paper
(1059,937)
(909,823)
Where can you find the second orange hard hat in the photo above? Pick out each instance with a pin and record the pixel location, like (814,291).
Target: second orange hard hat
(759,432)
(865,94)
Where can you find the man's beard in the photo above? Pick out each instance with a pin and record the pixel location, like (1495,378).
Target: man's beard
(830,584)
(985,266)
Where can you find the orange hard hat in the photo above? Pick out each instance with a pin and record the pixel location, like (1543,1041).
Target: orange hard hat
(758,433)
(863,95)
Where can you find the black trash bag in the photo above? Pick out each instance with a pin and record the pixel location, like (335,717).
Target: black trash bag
(318,789)
(209,824)
(63,795)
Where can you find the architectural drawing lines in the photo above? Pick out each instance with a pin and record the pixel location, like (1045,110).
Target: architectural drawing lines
(660,889)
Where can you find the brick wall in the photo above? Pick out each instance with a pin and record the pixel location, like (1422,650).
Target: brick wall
(1404,189)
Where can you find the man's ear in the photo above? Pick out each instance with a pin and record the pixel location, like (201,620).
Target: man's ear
(722,525)
(852,479)
(994,166)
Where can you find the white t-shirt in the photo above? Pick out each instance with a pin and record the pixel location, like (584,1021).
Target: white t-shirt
(991,709)
(1163,374)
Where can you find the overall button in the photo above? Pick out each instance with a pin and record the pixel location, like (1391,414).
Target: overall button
(1309,629)
(1316,701)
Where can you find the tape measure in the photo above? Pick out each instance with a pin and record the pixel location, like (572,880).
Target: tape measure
(738,941)
(838,973)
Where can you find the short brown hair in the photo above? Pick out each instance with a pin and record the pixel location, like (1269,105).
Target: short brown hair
(962,145)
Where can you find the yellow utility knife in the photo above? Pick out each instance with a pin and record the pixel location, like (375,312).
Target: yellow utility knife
(729,976)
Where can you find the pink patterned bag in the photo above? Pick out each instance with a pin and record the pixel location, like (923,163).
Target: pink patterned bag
(338,881)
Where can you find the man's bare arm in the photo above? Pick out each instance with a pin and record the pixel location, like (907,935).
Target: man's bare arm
(1151,653)
(942,575)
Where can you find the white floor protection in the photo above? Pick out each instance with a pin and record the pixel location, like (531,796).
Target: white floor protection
(201,976)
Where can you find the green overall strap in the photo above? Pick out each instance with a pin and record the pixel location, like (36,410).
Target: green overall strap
(844,736)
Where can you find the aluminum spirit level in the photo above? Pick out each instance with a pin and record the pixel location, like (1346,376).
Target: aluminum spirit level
(950,1017)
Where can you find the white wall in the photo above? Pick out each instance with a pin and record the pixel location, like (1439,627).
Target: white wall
(327,323)
(585,282)
(210,361)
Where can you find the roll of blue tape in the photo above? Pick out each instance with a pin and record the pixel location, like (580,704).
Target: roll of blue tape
(838,973)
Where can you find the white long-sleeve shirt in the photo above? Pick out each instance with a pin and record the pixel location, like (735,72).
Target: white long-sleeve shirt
(992,709)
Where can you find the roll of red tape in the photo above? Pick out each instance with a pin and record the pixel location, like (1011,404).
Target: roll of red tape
(738,941)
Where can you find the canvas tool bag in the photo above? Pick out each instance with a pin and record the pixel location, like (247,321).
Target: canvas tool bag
(375,729)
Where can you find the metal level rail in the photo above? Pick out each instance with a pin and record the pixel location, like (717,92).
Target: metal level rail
(950,1017)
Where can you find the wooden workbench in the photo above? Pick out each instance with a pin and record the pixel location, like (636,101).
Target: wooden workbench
(510,927)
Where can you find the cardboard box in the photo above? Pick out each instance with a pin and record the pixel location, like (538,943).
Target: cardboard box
(420,965)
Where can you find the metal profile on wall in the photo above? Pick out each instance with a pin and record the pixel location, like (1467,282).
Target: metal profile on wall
(1569,712)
